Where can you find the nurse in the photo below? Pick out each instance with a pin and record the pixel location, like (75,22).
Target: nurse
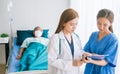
(102,42)
(64,49)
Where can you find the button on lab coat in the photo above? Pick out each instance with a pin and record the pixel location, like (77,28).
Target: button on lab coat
(63,64)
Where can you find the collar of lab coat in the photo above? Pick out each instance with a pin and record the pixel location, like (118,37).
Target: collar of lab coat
(62,37)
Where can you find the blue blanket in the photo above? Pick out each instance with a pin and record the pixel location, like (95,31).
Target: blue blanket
(35,57)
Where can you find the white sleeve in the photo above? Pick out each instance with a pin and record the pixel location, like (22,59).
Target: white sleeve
(53,50)
(25,43)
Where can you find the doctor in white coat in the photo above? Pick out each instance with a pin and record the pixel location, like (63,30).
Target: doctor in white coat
(64,49)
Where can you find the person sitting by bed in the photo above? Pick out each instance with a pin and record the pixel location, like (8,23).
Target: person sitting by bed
(37,35)
(33,52)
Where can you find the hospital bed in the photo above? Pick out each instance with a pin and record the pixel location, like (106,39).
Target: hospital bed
(14,64)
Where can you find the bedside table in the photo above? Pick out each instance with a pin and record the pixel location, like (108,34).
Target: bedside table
(5,41)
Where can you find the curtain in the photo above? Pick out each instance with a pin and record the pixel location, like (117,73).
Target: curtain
(88,10)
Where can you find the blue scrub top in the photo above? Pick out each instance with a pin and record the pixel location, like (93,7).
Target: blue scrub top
(108,45)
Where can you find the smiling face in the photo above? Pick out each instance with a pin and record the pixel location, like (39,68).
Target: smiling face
(103,24)
(70,26)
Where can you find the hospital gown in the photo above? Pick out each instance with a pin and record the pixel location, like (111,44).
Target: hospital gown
(27,41)
(35,57)
(108,45)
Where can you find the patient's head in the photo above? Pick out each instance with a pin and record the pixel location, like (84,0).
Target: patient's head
(37,31)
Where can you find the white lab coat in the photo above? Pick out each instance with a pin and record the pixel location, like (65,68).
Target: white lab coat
(63,65)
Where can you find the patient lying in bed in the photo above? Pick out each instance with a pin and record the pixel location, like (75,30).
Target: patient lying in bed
(32,51)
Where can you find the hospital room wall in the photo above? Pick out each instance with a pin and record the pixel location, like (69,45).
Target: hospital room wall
(87,23)
(4,20)
(26,14)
